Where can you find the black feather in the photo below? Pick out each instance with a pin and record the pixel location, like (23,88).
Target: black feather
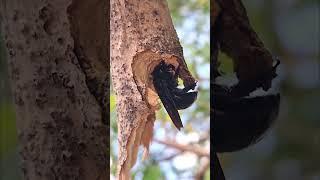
(172,97)
(217,169)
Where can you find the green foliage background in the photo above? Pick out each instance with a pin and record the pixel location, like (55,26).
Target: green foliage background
(8,133)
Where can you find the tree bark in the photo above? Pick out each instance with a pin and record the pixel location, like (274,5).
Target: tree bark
(235,37)
(58,66)
(142,34)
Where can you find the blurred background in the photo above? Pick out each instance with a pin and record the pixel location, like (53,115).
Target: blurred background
(191,19)
(9,159)
(290,30)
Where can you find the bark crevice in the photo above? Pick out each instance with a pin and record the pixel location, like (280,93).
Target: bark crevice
(142,66)
(87,33)
(94,63)
(60,130)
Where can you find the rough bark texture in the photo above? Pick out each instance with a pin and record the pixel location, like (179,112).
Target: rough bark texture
(58,62)
(142,34)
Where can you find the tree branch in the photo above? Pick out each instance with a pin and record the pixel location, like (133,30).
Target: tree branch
(202,169)
(191,148)
(171,156)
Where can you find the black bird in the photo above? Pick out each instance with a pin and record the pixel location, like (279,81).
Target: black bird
(240,120)
(165,81)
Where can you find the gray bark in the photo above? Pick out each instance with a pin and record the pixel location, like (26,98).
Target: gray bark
(58,67)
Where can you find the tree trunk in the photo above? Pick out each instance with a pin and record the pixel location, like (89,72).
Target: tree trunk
(232,30)
(58,66)
(142,34)
(232,34)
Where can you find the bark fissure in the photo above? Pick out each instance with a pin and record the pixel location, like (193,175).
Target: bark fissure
(60,130)
(93,61)
(95,68)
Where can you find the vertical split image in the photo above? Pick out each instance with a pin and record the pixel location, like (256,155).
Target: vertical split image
(159,90)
